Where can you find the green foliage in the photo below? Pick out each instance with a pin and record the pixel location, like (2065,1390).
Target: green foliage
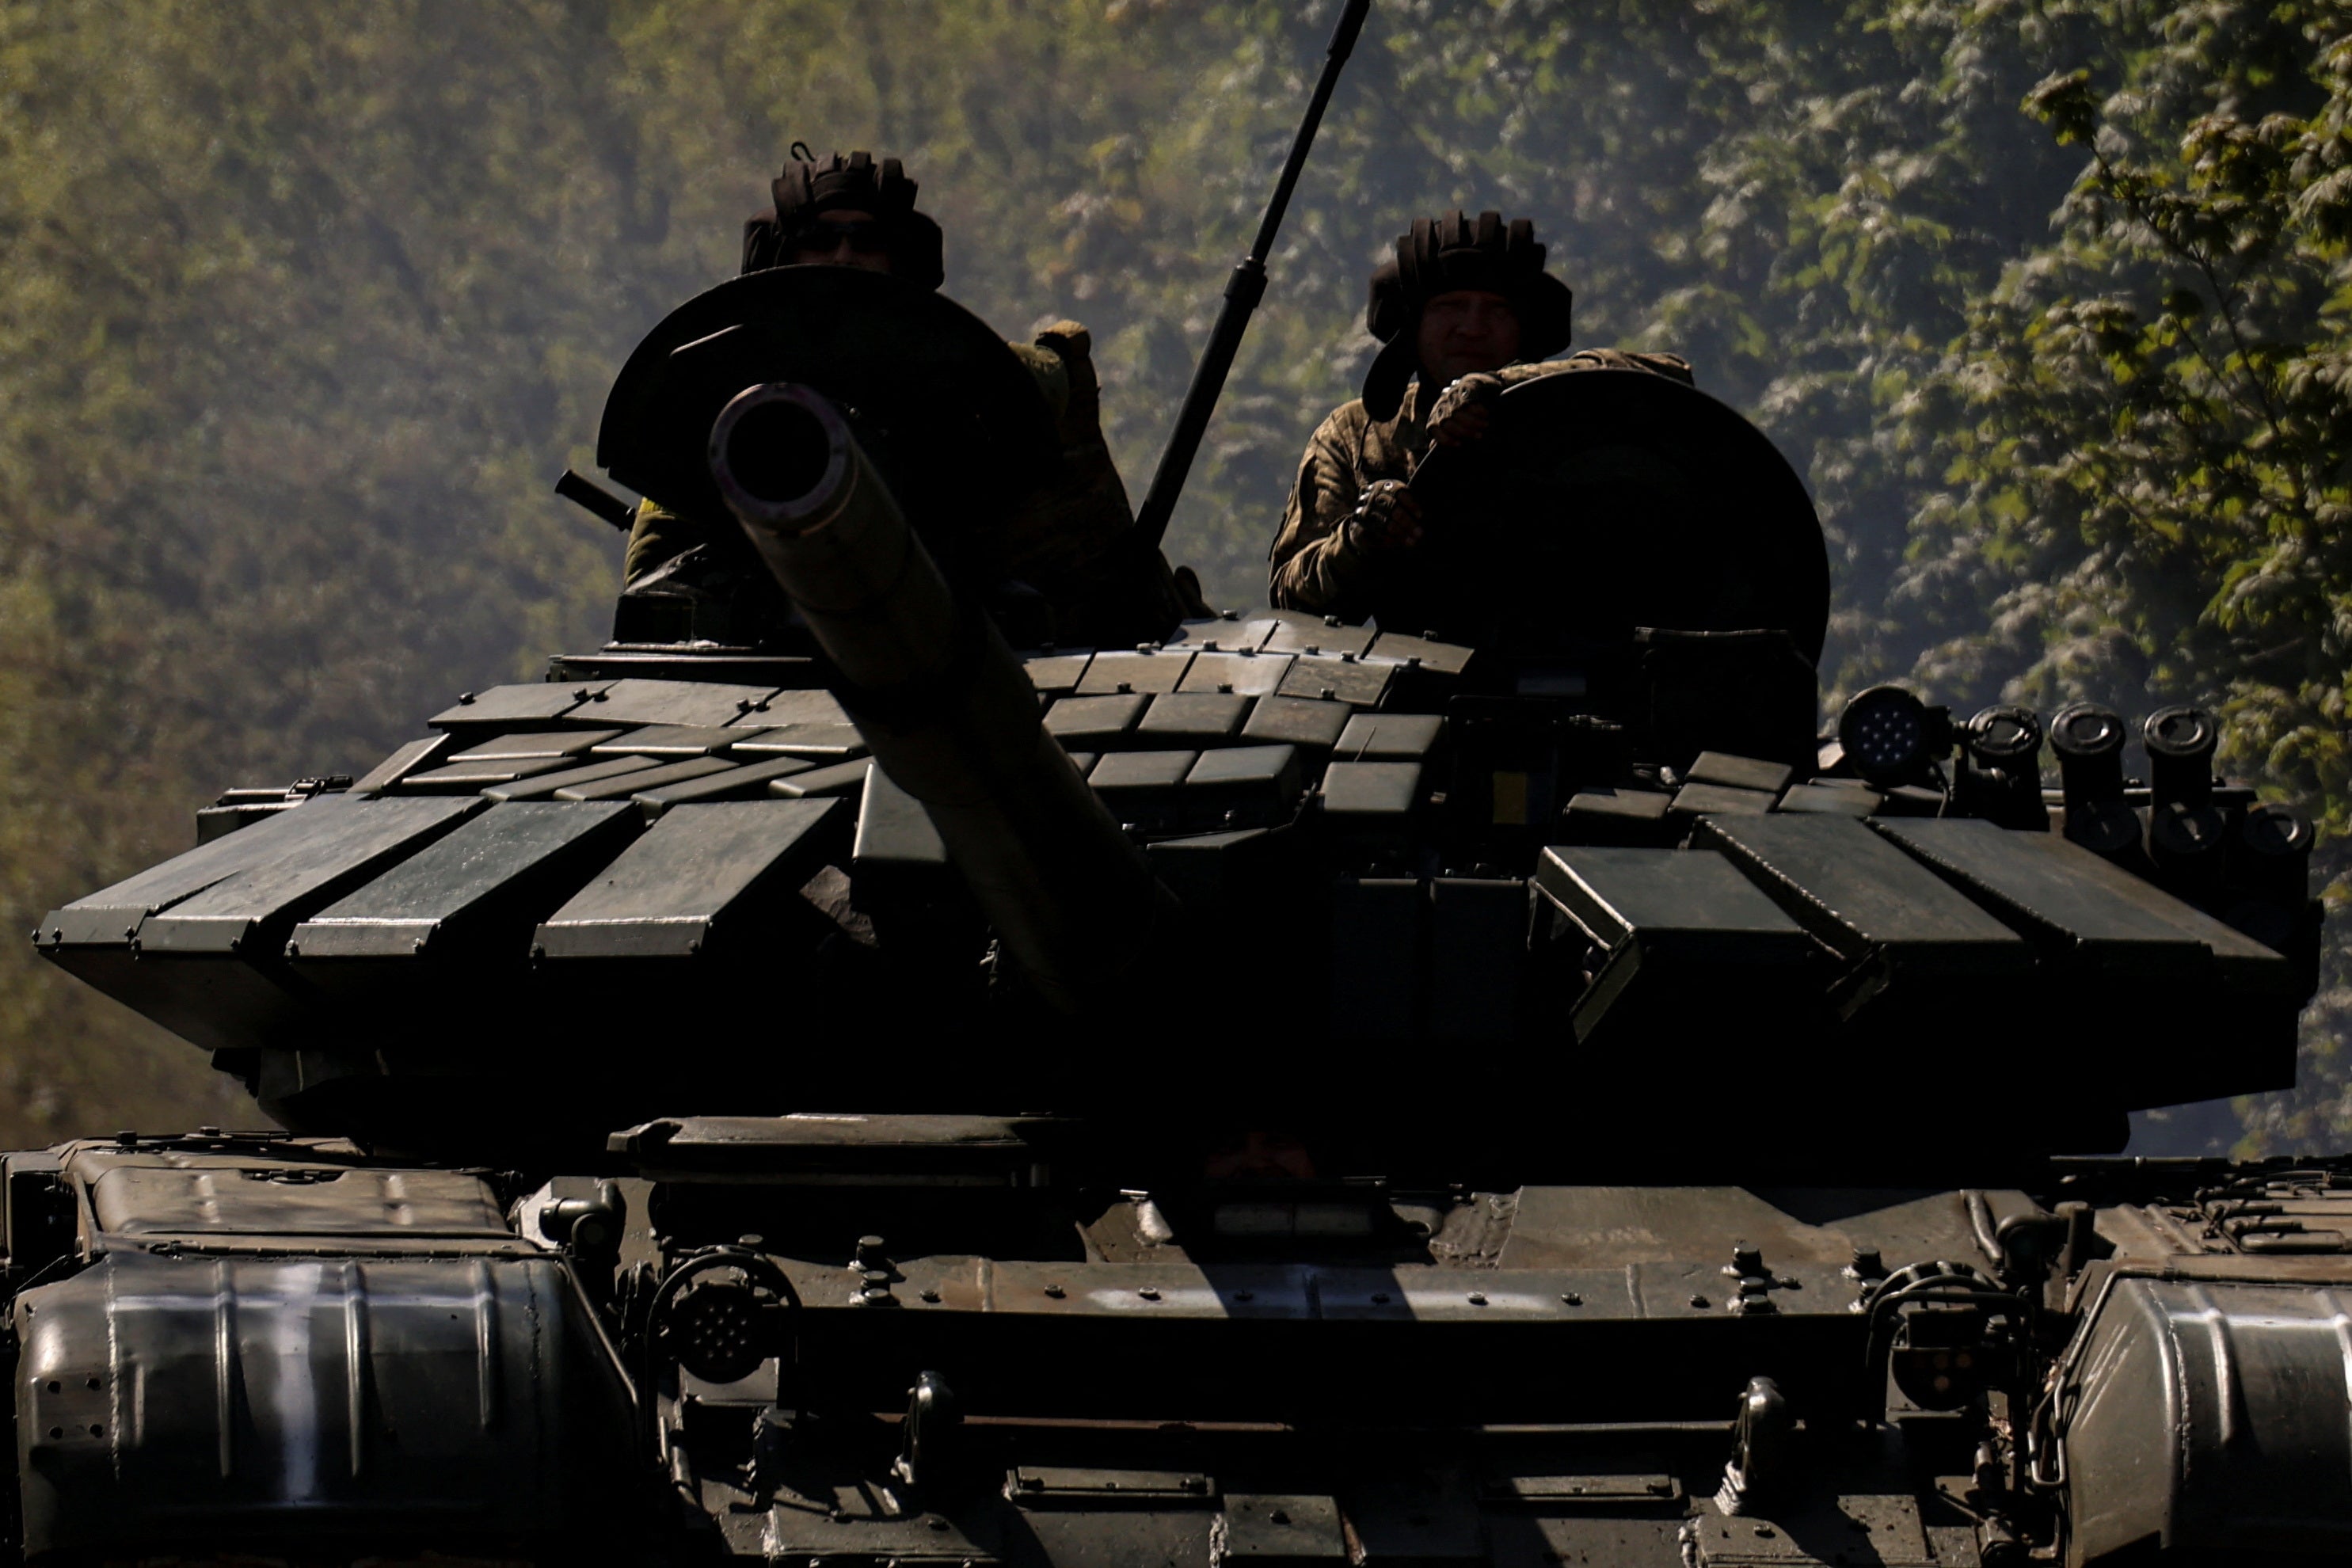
(2146,429)
(304,307)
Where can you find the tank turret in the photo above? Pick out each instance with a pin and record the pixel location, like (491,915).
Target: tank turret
(1619,856)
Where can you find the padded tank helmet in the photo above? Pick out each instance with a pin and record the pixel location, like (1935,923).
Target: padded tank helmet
(1445,255)
(810,187)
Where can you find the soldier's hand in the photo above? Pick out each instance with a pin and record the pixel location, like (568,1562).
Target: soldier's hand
(1387,518)
(1465,411)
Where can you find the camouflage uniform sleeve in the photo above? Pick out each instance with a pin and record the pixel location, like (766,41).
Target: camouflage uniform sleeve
(1062,359)
(1050,372)
(656,536)
(1071,540)
(1314,567)
(1674,367)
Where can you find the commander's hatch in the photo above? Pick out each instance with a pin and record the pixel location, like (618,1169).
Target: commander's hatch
(949,415)
(1606,499)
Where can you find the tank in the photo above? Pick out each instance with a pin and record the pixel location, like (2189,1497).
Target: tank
(819,1082)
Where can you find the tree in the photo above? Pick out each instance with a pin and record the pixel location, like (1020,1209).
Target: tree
(2145,432)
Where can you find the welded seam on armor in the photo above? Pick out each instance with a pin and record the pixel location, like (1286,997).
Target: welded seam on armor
(113,1380)
(2216,1322)
(2341,1321)
(485,1346)
(224,1367)
(355,1353)
(534,1316)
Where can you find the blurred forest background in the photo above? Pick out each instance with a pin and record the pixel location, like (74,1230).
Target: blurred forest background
(302,307)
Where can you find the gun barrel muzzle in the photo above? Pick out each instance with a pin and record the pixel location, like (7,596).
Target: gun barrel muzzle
(779,454)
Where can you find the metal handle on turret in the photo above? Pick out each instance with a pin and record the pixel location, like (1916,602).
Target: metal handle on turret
(1243,289)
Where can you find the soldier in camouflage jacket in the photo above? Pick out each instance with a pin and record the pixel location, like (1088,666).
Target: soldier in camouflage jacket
(1465,310)
(1068,540)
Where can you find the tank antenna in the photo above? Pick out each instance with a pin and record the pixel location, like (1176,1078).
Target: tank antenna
(1243,289)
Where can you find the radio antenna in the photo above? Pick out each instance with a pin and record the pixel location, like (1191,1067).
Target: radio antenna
(1243,289)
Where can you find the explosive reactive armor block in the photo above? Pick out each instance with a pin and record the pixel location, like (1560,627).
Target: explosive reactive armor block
(197,943)
(1886,938)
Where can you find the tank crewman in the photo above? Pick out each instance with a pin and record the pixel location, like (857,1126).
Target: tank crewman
(1463,311)
(1067,541)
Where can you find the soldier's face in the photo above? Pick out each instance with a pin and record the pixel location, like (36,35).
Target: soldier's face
(1468,331)
(845,239)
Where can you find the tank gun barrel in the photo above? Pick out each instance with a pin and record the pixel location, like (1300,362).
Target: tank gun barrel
(952,716)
